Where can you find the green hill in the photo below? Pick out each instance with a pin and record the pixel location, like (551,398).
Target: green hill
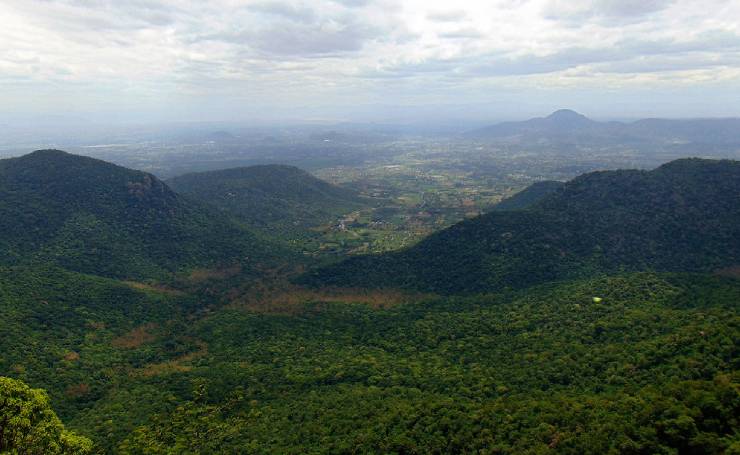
(529,196)
(682,216)
(276,198)
(95,217)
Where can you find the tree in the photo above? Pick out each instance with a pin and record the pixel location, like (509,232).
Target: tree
(29,426)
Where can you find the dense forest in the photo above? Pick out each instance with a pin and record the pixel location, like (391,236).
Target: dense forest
(648,370)
(529,196)
(274,198)
(599,316)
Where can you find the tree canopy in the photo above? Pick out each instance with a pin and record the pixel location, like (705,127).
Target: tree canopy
(28,425)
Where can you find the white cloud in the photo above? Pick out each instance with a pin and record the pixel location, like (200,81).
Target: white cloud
(270,54)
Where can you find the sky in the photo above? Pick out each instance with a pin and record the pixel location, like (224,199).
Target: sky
(367,60)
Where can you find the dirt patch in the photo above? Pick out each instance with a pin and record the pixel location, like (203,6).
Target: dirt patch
(136,337)
(153,288)
(290,300)
(77,390)
(161,369)
(71,356)
(177,365)
(201,275)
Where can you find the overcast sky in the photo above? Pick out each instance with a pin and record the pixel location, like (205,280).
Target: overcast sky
(337,60)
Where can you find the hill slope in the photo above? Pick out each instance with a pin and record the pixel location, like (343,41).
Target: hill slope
(92,216)
(529,196)
(270,196)
(683,216)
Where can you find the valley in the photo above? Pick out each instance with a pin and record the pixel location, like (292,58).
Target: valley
(427,298)
(414,184)
(359,227)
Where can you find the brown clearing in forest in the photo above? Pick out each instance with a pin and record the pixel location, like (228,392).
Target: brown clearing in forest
(172,366)
(136,337)
(200,275)
(153,288)
(71,356)
(289,299)
(77,390)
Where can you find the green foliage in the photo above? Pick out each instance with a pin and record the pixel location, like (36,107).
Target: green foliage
(529,196)
(280,199)
(28,425)
(143,368)
(683,216)
(689,417)
(71,333)
(651,369)
(79,213)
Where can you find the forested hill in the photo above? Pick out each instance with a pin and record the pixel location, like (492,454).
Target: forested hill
(269,196)
(529,196)
(682,216)
(92,216)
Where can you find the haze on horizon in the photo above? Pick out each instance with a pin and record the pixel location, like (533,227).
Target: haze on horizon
(366,60)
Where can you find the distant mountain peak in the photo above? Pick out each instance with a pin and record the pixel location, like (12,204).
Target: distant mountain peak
(563,121)
(567,115)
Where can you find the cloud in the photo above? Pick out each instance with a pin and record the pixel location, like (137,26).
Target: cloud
(627,55)
(462,33)
(619,10)
(294,52)
(311,41)
(298,13)
(353,3)
(447,16)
